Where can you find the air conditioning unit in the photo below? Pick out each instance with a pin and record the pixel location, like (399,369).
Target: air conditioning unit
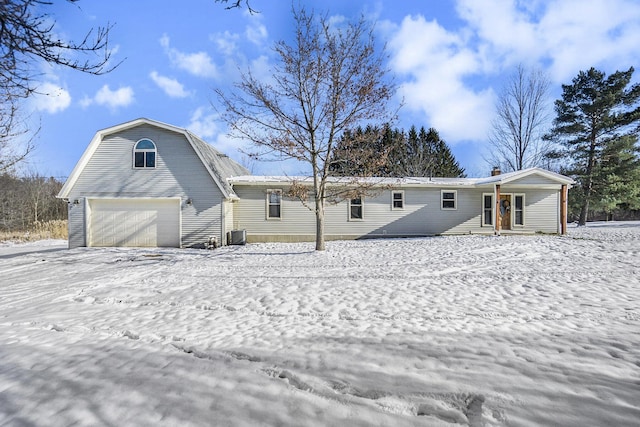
(237,237)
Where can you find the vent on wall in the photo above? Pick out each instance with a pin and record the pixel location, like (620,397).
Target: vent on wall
(237,237)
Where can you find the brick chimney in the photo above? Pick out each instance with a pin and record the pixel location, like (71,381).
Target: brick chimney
(496,171)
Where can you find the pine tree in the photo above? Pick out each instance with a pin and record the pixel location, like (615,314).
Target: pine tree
(391,152)
(597,123)
(446,166)
(617,177)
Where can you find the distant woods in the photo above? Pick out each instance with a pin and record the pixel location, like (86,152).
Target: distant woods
(386,152)
(29,204)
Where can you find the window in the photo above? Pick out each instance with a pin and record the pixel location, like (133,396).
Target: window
(274,204)
(448,199)
(518,212)
(144,154)
(397,200)
(355,209)
(487,209)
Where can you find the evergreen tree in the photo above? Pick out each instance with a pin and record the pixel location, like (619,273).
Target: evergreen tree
(391,152)
(617,177)
(597,124)
(446,166)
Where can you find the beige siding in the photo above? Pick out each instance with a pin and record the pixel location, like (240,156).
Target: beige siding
(534,179)
(178,173)
(542,210)
(422,215)
(467,218)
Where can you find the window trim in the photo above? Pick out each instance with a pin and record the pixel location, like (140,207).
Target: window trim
(145,151)
(490,210)
(268,204)
(393,200)
(515,209)
(455,200)
(361,205)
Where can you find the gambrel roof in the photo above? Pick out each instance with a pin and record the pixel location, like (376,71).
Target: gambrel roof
(218,165)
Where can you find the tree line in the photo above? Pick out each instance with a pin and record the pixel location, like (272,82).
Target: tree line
(29,201)
(592,138)
(392,152)
(596,131)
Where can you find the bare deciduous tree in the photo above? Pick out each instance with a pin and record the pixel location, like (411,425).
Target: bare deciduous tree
(27,36)
(12,132)
(28,201)
(330,79)
(523,112)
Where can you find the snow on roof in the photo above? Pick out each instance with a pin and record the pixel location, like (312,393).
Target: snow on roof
(407,181)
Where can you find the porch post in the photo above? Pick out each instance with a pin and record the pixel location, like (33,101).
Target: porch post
(498,216)
(563,210)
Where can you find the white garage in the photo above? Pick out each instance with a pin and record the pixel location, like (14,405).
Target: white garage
(134,222)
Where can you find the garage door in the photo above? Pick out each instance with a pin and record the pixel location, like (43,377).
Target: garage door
(134,222)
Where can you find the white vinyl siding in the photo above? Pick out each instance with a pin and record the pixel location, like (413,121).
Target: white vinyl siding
(178,172)
(422,215)
(541,210)
(134,222)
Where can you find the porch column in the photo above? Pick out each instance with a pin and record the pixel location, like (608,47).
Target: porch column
(563,210)
(498,216)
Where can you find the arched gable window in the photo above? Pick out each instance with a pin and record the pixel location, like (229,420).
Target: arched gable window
(144,154)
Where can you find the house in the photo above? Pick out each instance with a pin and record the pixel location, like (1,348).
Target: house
(146,183)
(527,201)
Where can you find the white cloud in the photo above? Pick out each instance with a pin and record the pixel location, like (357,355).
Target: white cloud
(448,72)
(226,42)
(570,35)
(113,99)
(206,124)
(171,87)
(51,98)
(436,63)
(199,64)
(256,34)
(202,124)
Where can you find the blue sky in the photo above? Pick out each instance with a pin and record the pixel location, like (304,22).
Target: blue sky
(449,57)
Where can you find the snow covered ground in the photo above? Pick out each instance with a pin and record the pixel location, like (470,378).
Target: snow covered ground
(511,330)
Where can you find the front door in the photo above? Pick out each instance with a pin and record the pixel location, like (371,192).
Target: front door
(505,211)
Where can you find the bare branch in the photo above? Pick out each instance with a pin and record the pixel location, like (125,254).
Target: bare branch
(330,79)
(27,36)
(237,4)
(522,115)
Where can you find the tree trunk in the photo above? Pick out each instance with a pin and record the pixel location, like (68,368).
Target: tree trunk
(319,193)
(588,185)
(320,224)
(583,212)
